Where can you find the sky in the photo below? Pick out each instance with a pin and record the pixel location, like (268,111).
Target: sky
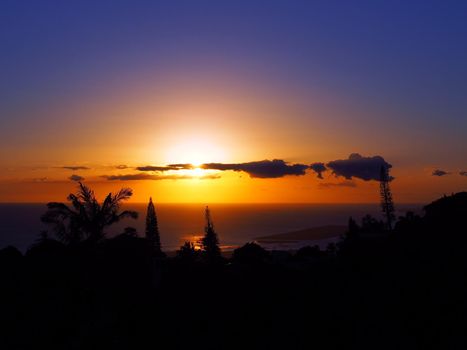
(250,97)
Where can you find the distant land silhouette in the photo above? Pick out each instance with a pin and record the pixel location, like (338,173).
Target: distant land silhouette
(310,234)
(239,223)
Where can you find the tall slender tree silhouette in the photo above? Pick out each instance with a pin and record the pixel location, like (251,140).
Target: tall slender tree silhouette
(152,229)
(86,219)
(210,242)
(387,203)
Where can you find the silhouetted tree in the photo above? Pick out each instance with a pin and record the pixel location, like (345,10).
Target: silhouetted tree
(409,222)
(387,204)
(210,242)
(130,231)
(152,230)
(187,252)
(86,219)
(331,249)
(350,237)
(353,229)
(371,225)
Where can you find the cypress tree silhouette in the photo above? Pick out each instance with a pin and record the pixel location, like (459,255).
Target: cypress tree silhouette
(387,204)
(210,242)
(152,230)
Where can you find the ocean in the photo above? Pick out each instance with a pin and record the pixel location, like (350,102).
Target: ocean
(235,224)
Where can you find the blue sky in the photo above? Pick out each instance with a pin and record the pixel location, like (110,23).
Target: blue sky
(389,72)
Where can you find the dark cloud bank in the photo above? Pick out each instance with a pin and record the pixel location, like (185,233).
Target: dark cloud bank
(364,168)
(262,169)
(355,166)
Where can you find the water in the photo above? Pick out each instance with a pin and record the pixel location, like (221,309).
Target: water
(235,224)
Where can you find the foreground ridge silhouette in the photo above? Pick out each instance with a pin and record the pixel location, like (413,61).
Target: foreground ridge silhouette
(399,289)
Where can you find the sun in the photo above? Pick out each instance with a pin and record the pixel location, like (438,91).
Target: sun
(198,172)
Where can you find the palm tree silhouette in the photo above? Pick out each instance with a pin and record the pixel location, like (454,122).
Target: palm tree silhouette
(86,219)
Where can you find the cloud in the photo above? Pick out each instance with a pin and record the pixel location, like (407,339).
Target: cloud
(40,179)
(135,177)
(76,178)
(157,168)
(365,168)
(319,169)
(261,169)
(439,172)
(121,167)
(209,177)
(74,168)
(153,168)
(338,184)
(463,173)
(165,167)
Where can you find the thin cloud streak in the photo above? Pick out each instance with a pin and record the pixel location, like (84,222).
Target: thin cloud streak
(75,168)
(137,177)
(439,172)
(338,184)
(76,178)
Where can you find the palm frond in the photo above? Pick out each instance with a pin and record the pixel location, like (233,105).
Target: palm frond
(85,218)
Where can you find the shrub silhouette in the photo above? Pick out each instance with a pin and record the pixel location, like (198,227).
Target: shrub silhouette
(187,253)
(250,254)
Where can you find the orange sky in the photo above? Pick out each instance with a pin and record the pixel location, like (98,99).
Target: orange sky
(218,122)
(51,184)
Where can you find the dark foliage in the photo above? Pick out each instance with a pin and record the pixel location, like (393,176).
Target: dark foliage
(210,242)
(309,252)
(86,219)
(152,229)
(187,253)
(250,254)
(387,203)
(400,290)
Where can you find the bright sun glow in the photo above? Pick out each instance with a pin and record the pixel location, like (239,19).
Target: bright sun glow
(195,151)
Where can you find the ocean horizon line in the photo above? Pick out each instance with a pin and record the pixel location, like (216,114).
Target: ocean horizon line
(232,203)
